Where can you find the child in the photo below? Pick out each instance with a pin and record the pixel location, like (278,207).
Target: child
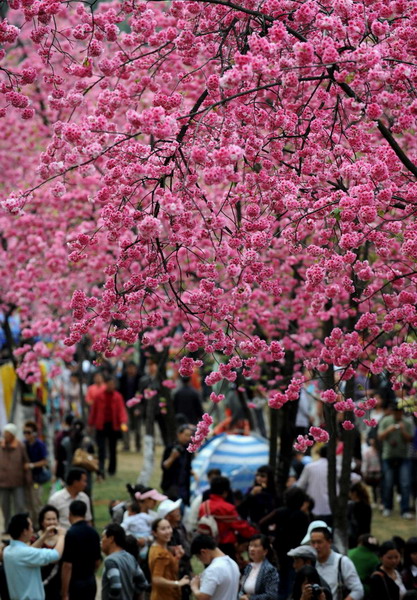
(138,518)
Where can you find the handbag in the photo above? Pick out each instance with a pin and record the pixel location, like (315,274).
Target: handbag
(43,476)
(84,459)
(207,523)
(342,590)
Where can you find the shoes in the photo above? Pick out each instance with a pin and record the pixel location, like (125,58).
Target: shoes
(386,512)
(407,515)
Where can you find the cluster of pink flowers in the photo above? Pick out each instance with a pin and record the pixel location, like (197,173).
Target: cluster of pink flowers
(216,398)
(302,443)
(134,401)
(319,434)
(329,396)
(14,203)
(187,366)
(277,400)
(203,429)
(344,405)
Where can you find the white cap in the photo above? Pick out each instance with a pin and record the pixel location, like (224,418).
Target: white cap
(166,507)
(314,525)
(11,428)
(303,551)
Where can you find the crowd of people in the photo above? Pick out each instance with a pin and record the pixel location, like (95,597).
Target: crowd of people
(256,545)
(250,548)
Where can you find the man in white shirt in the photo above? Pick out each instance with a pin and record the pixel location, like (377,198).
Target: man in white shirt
(313,481)
(337,570)
(220,579)
(74,490)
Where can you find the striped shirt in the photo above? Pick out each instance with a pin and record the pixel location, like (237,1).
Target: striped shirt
(122,577)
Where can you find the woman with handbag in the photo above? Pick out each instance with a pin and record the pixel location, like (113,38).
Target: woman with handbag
(386,582)
(79,452)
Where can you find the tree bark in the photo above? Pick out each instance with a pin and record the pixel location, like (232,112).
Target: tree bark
(287,434)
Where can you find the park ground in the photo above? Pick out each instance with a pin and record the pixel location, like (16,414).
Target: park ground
(130,464)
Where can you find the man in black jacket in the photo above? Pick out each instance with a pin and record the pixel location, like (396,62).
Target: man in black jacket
(187,403)
(176,467)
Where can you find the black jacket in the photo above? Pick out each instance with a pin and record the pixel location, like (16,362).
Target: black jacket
(383,587)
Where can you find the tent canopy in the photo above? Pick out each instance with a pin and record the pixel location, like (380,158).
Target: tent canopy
(237,456)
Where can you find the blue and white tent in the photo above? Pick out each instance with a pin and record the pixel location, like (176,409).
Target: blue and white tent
(237,456)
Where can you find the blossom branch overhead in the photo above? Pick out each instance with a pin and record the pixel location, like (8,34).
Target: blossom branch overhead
(215,177)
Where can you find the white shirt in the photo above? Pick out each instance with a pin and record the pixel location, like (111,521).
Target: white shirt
(250,583)
(140,525)
(62,500)
(191,515)
(313,481)
(304,409)
(220,580)
(329,570)
(400,584)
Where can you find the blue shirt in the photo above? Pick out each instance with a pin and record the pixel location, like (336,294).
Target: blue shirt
(22,566)
(36,452)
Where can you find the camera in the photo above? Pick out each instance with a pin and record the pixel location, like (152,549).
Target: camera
(316,589)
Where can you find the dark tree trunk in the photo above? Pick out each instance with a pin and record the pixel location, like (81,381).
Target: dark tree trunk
(340,507)
(289,413)
(273,437)
(287,433)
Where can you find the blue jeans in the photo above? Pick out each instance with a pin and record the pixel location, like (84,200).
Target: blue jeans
(396,470)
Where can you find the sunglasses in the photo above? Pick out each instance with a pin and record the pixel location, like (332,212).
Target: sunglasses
(27,431)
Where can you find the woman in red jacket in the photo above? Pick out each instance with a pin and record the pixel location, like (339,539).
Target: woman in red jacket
(109,418)
(227,518)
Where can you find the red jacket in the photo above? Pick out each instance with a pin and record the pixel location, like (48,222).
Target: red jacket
(97,415)
(229,521)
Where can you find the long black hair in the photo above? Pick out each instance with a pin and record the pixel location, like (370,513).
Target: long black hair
(270,482)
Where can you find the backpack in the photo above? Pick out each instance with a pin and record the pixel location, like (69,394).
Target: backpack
(207,523)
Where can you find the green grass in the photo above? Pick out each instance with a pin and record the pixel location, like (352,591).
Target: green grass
(385,527)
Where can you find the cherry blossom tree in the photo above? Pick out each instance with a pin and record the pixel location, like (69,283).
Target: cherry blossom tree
(228,178)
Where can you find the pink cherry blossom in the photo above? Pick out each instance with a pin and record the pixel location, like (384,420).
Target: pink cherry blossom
(220,184)
(133,401)
(203,429)
(319,434)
